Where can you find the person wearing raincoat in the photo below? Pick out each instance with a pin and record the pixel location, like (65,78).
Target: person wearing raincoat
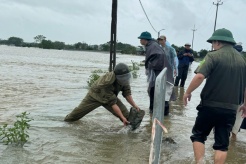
(155,61)
(171,57)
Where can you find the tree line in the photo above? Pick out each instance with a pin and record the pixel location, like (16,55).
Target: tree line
(40,41)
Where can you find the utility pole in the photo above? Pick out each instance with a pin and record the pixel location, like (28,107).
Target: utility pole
(159,33)
(217,6)
(193,36)
(112,59)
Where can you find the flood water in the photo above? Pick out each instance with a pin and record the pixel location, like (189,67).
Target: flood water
(50,83)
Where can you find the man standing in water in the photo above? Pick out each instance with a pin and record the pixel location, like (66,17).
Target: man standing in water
(104,93)
(185,59)
(221,96)
(171,56)
(155,61)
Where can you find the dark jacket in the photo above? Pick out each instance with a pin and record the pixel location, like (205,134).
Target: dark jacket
(239,48)
(185,60)
(154,58)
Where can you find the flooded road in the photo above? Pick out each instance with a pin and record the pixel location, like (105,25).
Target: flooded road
(50,83)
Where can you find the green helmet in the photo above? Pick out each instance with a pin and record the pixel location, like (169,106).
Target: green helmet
(222,35)
(121,69)
(145,35)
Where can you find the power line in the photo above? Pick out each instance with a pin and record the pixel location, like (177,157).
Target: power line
(147,16)
(208,14)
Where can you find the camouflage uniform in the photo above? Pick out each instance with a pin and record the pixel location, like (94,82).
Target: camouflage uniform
(102,93)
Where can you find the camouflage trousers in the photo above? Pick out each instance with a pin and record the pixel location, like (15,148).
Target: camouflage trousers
(88,104)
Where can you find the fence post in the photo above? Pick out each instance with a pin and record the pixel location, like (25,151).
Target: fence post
(158,113)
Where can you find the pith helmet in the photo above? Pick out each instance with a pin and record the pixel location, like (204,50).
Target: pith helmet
(121,69)
(145,35)
(222,35)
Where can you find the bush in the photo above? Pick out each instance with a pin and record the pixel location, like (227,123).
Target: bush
(16,134)
(92,79)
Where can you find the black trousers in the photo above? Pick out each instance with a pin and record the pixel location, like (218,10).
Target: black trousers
(151,104)
(182,74)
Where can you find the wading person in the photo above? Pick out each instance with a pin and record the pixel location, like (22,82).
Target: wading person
(240,122)
(104,93)
(155,61)
(171,56)
(185,58)
(221,96)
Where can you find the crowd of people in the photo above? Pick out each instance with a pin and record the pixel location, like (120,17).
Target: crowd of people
(222,98)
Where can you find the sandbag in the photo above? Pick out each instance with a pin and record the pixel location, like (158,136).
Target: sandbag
(135,117)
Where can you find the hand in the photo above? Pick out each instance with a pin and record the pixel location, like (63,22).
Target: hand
(185,54)
(243,108)
(185,97)
(125,122)
(175,73)
(137,108)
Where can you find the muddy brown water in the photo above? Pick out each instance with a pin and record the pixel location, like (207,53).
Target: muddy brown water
(50,83)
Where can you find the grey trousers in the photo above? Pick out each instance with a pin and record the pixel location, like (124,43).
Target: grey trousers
(88,104)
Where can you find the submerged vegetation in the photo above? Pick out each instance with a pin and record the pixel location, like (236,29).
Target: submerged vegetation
(16,134)
(96,73)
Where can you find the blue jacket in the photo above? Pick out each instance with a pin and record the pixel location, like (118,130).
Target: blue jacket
(185,60)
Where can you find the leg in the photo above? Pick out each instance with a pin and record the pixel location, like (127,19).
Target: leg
(87,105)
(220,157)
(180,72)
(151,99)
(166,110)
(201,130)
(184,76)
(199,151)
(122,107)
(225,121)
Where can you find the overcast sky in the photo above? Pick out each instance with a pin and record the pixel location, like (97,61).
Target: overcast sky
(89,21)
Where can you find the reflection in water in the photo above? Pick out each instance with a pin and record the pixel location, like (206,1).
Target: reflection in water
(50,83)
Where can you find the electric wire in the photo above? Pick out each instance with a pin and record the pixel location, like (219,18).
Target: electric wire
(147,16)
(209,14)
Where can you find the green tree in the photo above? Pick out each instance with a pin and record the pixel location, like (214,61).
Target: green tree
(58,45)
(81,46)
(202,53)
(39,38)
(15,41)
(105,47)
(46,44)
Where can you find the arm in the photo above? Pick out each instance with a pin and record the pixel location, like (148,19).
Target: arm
(131,101)
(119,113)
(175,64)
(243,106)
(181,54)
(149,59)
(196,82)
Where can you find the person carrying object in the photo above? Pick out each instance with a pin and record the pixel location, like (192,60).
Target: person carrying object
(104,92)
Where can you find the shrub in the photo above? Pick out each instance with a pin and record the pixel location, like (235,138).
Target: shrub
(16,134)
(92,78)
